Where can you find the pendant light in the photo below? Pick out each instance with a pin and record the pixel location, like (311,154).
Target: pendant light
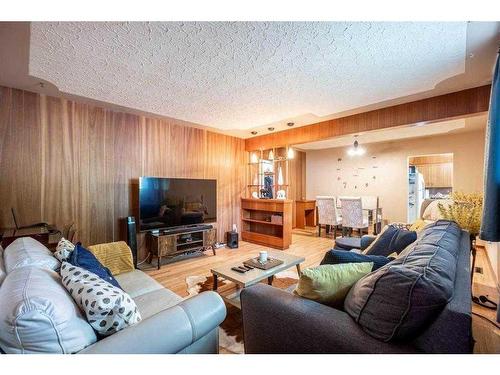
(356,150)
(271,155)
(290,154)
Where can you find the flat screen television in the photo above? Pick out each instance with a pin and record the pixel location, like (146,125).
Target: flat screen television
(175,202)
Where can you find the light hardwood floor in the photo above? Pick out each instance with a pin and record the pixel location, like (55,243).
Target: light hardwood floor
(305,243)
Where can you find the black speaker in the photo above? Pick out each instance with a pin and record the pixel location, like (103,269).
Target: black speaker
(132,238)
(232,240)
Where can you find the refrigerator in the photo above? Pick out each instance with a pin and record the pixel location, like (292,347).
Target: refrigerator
(416,193)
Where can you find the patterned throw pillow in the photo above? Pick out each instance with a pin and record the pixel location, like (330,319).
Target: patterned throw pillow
(64,249)
(108,309)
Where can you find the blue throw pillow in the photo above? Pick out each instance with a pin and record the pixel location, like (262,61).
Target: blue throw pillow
(392,240)
(343,256)
(83,258)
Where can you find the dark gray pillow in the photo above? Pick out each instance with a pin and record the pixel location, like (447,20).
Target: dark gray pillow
(391,240)
(399,299)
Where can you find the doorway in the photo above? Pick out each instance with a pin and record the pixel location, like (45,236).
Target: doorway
(429,177)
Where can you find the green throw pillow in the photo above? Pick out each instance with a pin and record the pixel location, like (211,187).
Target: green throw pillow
(330,283)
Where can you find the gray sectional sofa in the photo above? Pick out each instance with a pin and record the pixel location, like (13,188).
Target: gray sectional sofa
(396,302)
(38,315)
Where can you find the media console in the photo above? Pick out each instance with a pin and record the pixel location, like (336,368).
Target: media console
(168,243)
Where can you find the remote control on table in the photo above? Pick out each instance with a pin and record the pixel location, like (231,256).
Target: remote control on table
(238,270)
(247,266)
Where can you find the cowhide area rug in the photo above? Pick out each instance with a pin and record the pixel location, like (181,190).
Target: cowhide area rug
(231,329)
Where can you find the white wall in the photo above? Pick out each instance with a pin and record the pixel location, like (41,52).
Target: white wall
(391,174)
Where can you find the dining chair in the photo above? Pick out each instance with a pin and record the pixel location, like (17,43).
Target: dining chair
(353,216)
(371,204)
(328,214)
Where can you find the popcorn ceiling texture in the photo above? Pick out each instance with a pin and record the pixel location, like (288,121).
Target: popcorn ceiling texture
(240,75)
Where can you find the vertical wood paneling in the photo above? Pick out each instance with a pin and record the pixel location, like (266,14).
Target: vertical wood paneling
(20,161)
(63,162)
(439,108)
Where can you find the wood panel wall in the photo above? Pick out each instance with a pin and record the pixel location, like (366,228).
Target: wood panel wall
(439,108)
(62,161)
(297,181)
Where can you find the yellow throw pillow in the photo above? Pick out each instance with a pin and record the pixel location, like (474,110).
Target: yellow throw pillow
(330,283)
(116,256)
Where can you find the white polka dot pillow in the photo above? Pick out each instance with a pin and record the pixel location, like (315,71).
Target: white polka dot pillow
(108,309)
(64,249)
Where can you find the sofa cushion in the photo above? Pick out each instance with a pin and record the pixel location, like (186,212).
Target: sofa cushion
(342,256)
(37,315)
(391,239)
(81,257)
(64,249)
(26,251)
(329,283)
(400,299)
(136,283)
(108,308)
(153,302)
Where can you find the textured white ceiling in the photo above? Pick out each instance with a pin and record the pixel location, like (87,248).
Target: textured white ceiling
(241,75)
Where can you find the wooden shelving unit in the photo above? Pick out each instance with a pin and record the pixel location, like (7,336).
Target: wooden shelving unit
(257,226)
(267,163)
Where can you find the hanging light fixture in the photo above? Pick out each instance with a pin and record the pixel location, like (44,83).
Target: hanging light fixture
(271,155)
(253,158)
(356,150)
(290,154)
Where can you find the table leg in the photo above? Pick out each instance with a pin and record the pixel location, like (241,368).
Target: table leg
(299,272)
(215,283)
(270,280)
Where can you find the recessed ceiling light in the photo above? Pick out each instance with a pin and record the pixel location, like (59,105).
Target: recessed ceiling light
(290,124)
(270,129)
(253,132)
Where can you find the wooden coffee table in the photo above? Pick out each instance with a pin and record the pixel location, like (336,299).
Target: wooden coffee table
(243,280)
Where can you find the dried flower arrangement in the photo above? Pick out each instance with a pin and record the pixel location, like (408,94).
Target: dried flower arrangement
(466,211)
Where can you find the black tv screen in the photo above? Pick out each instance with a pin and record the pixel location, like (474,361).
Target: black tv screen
(174,202)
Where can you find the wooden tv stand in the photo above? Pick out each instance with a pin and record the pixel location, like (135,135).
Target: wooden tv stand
(258,225)
(165,244)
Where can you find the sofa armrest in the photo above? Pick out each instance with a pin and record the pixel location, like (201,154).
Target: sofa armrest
(169,331)
(367,240)
(275,321)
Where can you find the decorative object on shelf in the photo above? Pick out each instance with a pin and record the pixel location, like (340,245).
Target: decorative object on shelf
(271,155)
(290,153)
(255,195)
(280,194)
(254,158)
(281,181)
(267,192)
(276,219)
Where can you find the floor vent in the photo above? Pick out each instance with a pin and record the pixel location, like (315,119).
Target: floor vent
(478,270)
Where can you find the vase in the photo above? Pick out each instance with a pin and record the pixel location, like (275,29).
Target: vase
(280,176)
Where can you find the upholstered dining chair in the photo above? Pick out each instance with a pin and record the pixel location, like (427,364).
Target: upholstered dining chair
(328,214)
(353,216)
